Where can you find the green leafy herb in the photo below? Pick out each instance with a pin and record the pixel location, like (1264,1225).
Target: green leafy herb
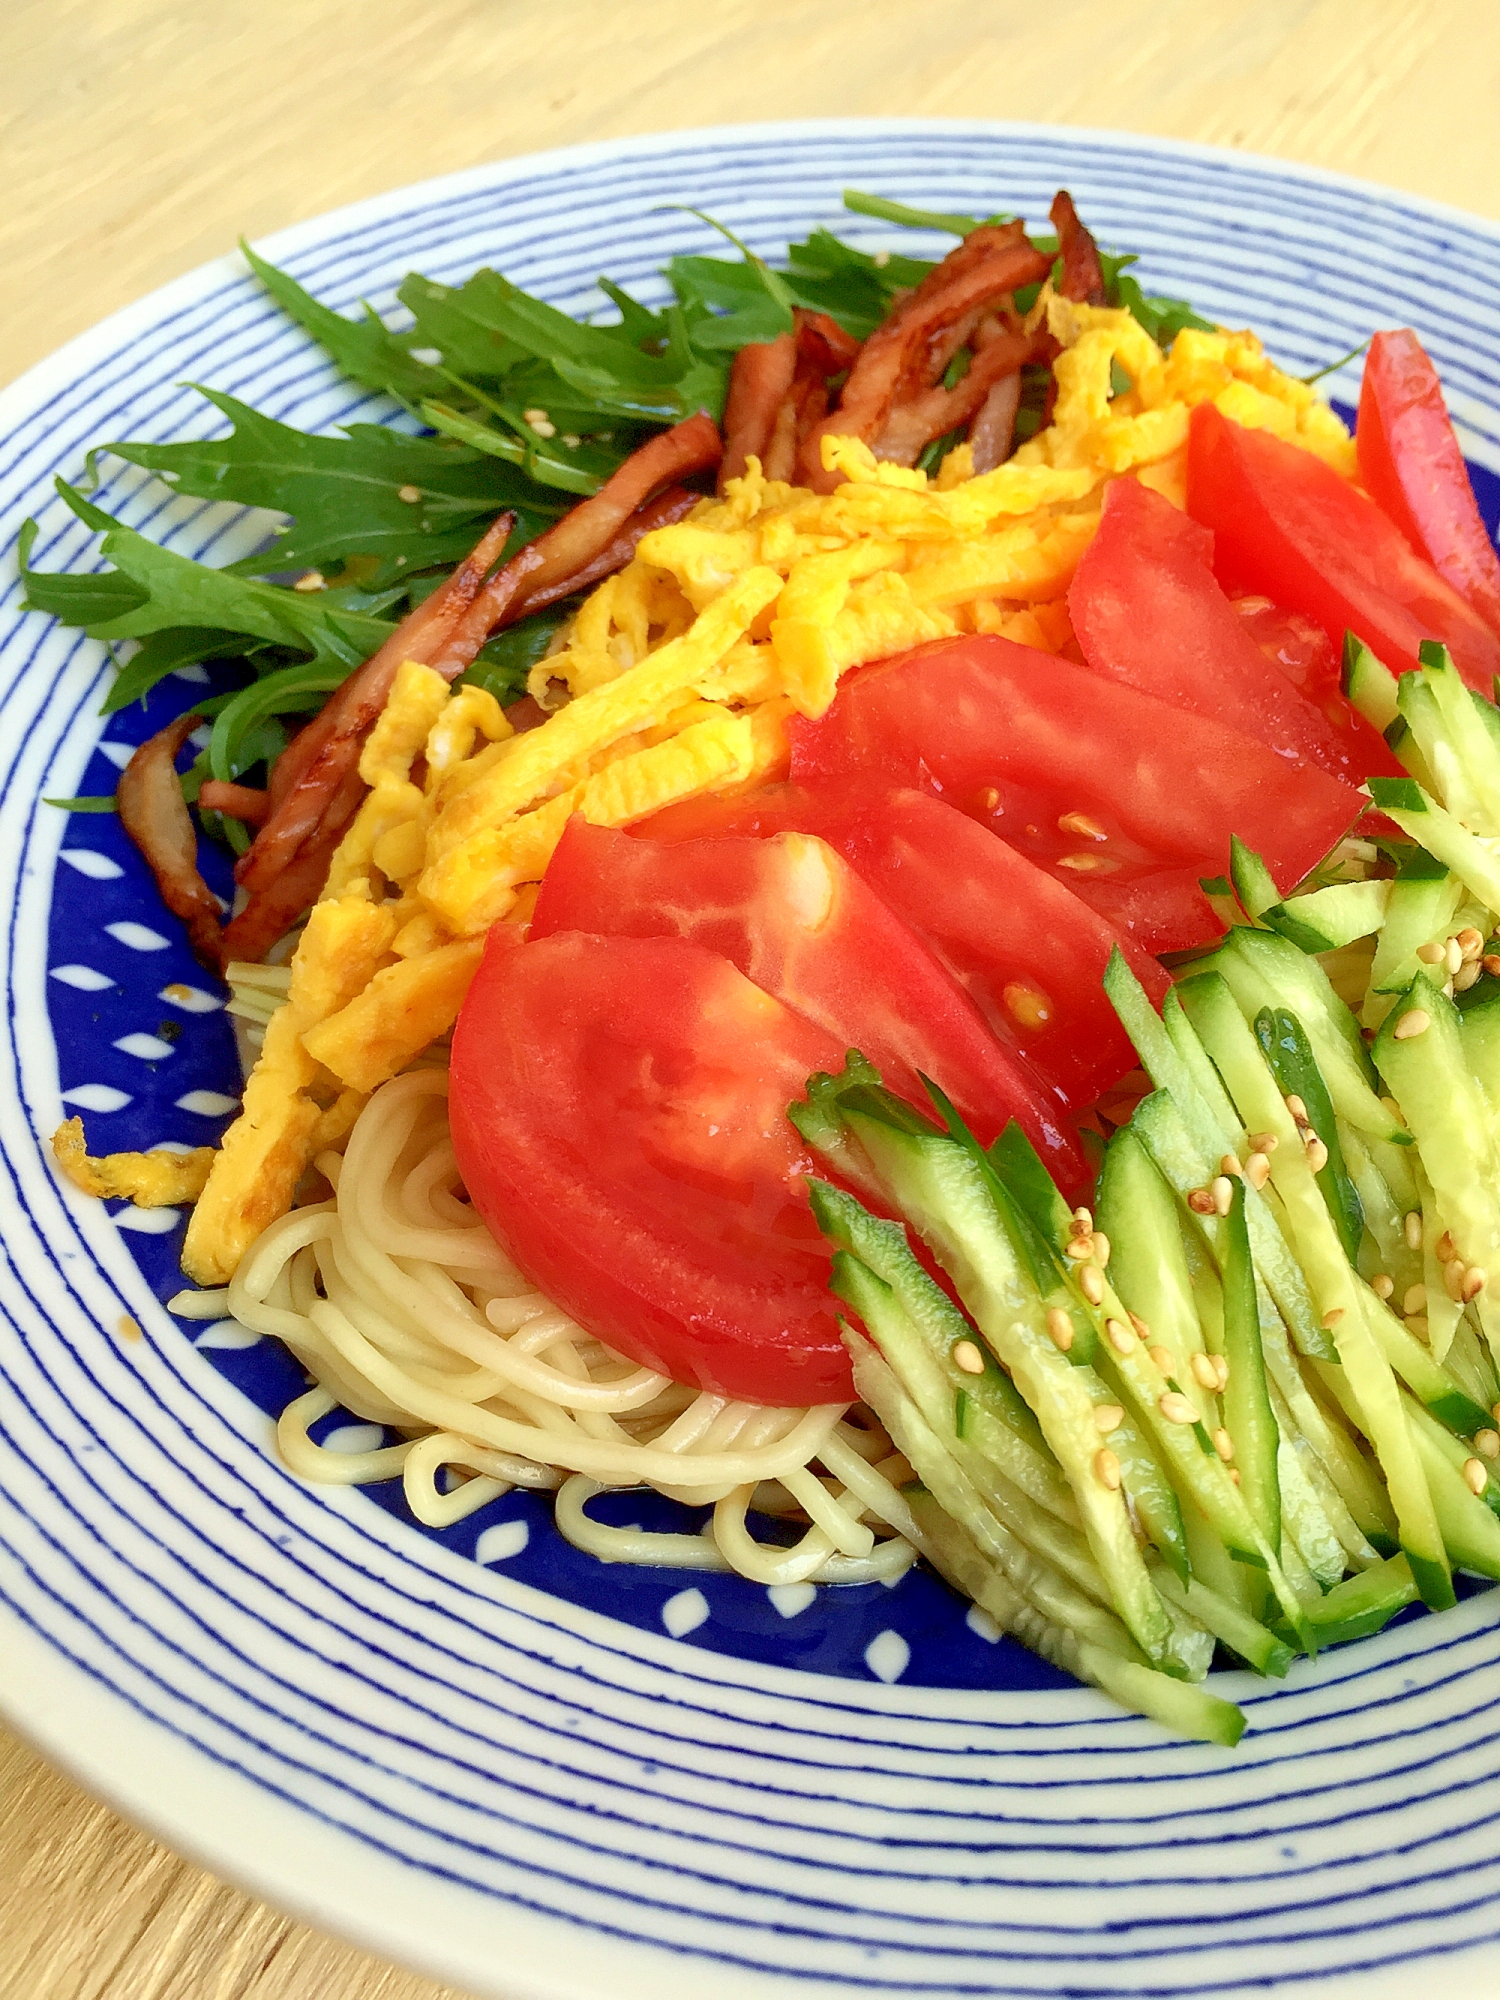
(365,349)
(912,218)
(94,804)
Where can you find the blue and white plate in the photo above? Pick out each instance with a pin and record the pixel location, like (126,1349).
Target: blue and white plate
(481,1752)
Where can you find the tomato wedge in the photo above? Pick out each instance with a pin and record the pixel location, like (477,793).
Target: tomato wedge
(1286,524)
(1029,953)
(1412,465)
(1102,786)
(793,915)
(618,1108)
(1148,613)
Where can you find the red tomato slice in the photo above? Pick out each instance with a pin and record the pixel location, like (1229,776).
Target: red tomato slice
(1148,612)
(1092,781)
(799,921)
(1413,466)
(1025,949)
(1297,644)
(619,1115)
(1286,524)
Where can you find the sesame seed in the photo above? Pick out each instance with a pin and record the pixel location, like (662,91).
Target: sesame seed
(1453,1280)
(1495,1412)
(1108,1417)
(1487,1442)
(1107,1469)
(1177,1409)
(1092,1284)
(1332,1317)
(1222,1191)
(1475,1280)
(1163,1358)
(1101,1249)
(1431,953)
(968,1357)
(1470,942)
(1119,1336)
(1297,1108)
(535,417)
(1221,1368)
(1201,1202)
(1415,1021)
(1083,1217)
(1417,1327)
(571,440)
(1234,1473)
(1223,1443)
(1080,1248)
(410,494)
(1230,1165)
(1140,1326)
(1257,1170)
(1464,979)
(1060,1326)
(1317,1153)
(1080,823)
(1491,963)
(1204,1371)
(1413,1227)
(311,580)
(1414,1299)
(1453,956)
(1262,1142)
(1445,1250)
(1475,1476)
(1382,1285)
(881,259)
(1028,1007)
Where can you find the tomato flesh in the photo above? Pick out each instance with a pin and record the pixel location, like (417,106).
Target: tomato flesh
(1102,786)
(797,919)
(1148,613)
(618,1108)
(1413,467)
(1287,525)
(1025,948)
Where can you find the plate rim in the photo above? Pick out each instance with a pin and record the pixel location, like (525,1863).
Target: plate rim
(188,1832)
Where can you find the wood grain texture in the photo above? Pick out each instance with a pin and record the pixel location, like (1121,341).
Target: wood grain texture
(141,137)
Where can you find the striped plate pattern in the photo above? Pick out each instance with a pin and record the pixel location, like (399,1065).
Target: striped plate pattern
(493,1779)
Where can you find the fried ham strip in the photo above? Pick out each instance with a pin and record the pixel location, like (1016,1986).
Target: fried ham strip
(327,749)
(992,433)
(246,802)
(935,411)
(1082,278)
(905,356)
(760,380)
(155,815)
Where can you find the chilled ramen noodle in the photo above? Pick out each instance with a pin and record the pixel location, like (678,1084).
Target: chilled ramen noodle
(405,1311)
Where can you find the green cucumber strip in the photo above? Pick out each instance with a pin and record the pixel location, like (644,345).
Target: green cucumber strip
(1252,879)
(1359,1551)
(1148,1263)
(1472,1366)
(1456,1454)
(944,1195)
(1471,1534)
(1303,1518)
(1422,909)
(1425,1376)
(1347,1468)
(1024,1173)
(1460,749)
(1258,1647)
(1218,893)
(1141,1471)
(1369,684)
(1263,970)
(1212,1564)
(1183,1709)
(1364,1604)
(1290,1059)
(1028,1573)
(1448,1113)
(817,1119)
(1417,813)
(920,1346)
(1205,1078)
(1330,918)
(1387,1251)
(1366,1391)
(1248,1415)
(1443,1314)
(1481,1040)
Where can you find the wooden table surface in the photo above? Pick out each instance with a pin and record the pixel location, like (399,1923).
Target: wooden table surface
(141,137)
